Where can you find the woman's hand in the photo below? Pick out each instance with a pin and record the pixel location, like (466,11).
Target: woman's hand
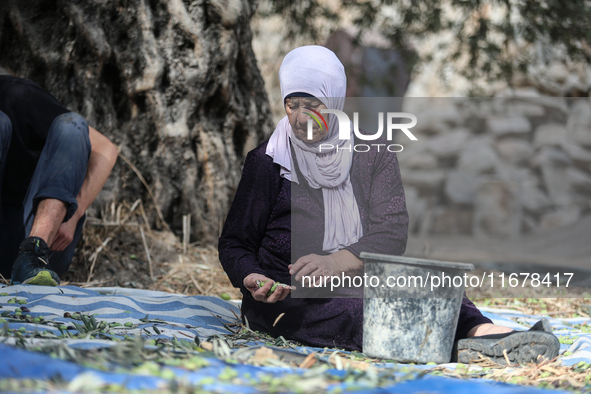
(260,294)
(315,266)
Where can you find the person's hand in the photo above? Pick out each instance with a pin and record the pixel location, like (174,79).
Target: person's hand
(260,294)
(315,266)
(64,235)
(486,329)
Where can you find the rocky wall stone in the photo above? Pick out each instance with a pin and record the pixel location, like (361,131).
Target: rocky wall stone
(497,211)
(516,163)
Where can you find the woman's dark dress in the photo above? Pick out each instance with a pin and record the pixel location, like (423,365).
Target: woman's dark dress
(257,239)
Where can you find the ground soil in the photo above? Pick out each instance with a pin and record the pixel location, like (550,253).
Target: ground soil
(567,247)
(112,252)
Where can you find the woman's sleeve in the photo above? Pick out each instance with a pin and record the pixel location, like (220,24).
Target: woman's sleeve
(387,231)
(247,219)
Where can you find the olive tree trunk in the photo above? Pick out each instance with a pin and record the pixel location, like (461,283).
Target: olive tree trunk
(173,82)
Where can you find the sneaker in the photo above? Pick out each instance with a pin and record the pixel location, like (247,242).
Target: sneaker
(535,345)
(32,264)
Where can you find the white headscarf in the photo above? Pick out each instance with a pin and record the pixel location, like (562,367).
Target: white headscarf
(317,71)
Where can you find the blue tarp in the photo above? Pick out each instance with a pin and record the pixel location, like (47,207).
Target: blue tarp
(184,317)
(19,363)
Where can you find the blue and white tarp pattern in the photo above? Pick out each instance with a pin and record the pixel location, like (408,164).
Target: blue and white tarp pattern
(184,317)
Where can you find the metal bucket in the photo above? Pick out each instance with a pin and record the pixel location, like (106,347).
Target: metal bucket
(411,322)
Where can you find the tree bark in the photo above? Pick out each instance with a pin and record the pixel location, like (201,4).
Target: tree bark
(173,82)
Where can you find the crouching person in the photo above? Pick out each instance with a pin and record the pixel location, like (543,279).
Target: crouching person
(52,166)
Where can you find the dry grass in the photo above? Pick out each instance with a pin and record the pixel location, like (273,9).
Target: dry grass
(552,307)
(548,374)
(121,249)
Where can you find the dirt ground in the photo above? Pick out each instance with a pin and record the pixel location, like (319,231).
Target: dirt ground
(556,252)
(113,252)
(566,247)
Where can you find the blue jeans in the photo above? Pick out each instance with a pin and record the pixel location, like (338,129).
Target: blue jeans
(59,175)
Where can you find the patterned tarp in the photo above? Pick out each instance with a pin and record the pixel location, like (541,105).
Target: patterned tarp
(162,315)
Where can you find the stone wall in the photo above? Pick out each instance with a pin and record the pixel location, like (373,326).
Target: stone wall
(497,167)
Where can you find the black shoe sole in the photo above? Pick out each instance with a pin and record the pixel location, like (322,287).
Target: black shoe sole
(522,347)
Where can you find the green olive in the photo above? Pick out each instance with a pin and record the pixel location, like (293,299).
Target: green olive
(260,283)
(272,290)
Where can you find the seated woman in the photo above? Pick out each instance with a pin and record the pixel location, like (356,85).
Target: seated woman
(354,201)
